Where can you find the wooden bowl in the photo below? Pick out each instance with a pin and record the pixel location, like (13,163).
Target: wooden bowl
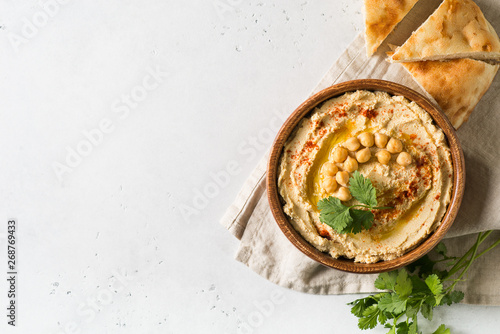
(347,264)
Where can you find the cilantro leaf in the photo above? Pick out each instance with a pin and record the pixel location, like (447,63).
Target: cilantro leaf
(442,330)
(360,219)
(457,296)
(434,284)
(360,305)
(427,311)
(453,297)
(402,328)
(441,249)
(391,302)
(447,300)
(334,214)
(367,323)
(441,273)
(413,328)
(382,318)
(362,189)
(403,285)
(386,281)
(424,265)
(419,285)
(369,319)
(411,310)
(431,300)
(330,205)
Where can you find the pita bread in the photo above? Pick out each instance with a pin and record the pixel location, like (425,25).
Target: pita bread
(456,85)
(456,29)
(381,17)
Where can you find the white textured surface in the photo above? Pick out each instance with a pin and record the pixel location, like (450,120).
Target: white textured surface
(232,66)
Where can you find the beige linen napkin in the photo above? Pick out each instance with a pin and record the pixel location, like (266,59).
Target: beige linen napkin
(265,250)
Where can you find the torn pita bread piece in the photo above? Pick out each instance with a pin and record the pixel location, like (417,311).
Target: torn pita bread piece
(381,17)
(456,29)
(456,85)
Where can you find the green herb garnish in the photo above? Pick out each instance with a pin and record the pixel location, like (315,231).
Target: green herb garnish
(418,288)
(347,219)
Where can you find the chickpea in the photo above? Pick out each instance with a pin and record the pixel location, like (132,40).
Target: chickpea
(352,144)
(329,184)
(404,159)
(344,194)
(363,155)
(329,169)
(394,145)
(342,178)
(350,164)
(366,139)
(383,157)
(381,140)
(340,154)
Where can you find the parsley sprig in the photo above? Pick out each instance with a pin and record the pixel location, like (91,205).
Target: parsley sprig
(418,288)
(348,219)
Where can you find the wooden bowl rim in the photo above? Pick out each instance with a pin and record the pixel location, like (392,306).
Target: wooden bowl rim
(349,265)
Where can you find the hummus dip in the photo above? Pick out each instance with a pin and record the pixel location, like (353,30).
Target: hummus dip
(418,190)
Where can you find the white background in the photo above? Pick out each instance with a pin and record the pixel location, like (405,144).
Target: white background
(102,244)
